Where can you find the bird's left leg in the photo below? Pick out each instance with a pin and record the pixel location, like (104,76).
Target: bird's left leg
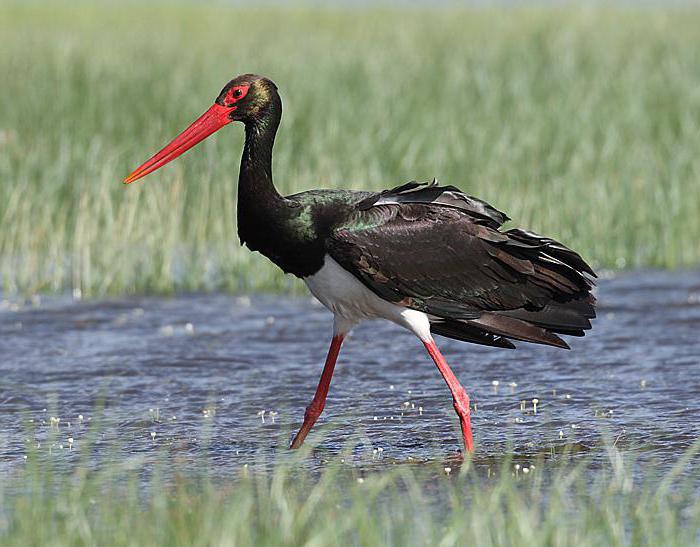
(313,411)
(459,395)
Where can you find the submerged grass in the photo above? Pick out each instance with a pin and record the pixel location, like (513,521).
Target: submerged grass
(581,124)
(285,505)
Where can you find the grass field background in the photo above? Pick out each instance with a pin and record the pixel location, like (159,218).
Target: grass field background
(581,124)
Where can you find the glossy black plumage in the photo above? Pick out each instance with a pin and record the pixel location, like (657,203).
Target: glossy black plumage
(437,250)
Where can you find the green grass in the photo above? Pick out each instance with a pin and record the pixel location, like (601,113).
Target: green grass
(555,503)
(581,124)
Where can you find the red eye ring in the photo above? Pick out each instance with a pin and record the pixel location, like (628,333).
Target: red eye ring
(235,94)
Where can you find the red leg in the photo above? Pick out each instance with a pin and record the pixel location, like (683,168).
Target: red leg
(459,396)
(313,411)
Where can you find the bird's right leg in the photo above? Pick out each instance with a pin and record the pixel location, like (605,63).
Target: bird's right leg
(459,395)
(313,411)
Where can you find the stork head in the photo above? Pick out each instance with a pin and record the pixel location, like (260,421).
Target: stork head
(247,98)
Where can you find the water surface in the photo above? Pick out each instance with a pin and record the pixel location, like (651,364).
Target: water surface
(193,374)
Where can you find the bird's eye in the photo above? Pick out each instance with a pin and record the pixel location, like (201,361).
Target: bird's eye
(235,94)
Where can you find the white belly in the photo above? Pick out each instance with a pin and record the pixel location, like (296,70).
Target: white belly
(351,302)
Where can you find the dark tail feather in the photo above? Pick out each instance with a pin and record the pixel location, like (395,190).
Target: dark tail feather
(461,330)
(571,317)
(517,329)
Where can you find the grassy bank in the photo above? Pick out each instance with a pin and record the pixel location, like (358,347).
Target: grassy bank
(549,504)
(584,125)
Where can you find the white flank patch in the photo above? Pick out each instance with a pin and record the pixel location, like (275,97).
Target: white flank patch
(352,302)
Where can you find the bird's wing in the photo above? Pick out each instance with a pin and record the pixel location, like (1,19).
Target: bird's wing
(434,194)
(435,249)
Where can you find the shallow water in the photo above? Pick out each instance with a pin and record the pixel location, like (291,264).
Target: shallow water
(197,371)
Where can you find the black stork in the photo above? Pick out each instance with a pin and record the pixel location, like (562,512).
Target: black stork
(427,257)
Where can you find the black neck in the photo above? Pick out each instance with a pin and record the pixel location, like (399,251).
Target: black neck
(267,222)
(255,186)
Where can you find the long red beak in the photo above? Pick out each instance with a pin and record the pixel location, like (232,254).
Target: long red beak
(211,121)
